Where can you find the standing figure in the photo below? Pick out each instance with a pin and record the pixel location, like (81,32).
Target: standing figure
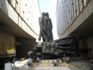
(45,28)
(42,27)
(49,27)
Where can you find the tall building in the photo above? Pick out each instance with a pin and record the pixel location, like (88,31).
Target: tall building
(75,18)
(18,26)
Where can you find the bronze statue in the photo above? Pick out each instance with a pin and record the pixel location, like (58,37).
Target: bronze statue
(49,27)
(45,28)
(42,28)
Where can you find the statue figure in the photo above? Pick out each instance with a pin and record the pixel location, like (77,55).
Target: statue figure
(42,28)
(48,23)
(45,28)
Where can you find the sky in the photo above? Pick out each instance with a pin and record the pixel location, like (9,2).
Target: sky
(50,7)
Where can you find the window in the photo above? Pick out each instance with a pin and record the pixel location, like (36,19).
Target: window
(16,6)
(85,2)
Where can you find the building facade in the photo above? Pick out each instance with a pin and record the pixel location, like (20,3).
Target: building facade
(74,18)
(18,26)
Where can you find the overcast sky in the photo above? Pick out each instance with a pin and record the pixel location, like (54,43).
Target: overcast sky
(50,6)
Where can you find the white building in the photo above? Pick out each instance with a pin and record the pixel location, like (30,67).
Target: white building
(75,18)
(19,26)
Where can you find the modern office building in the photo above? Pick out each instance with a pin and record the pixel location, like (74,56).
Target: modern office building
(75,18)
(18,27)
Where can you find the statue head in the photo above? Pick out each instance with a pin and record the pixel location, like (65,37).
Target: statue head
(43,14)
(47,14)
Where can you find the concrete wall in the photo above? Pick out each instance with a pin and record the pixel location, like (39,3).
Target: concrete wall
(75,17)
(23,14)
(20,20)
(70,14)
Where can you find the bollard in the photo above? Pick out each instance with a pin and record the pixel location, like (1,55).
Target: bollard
(8,66)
